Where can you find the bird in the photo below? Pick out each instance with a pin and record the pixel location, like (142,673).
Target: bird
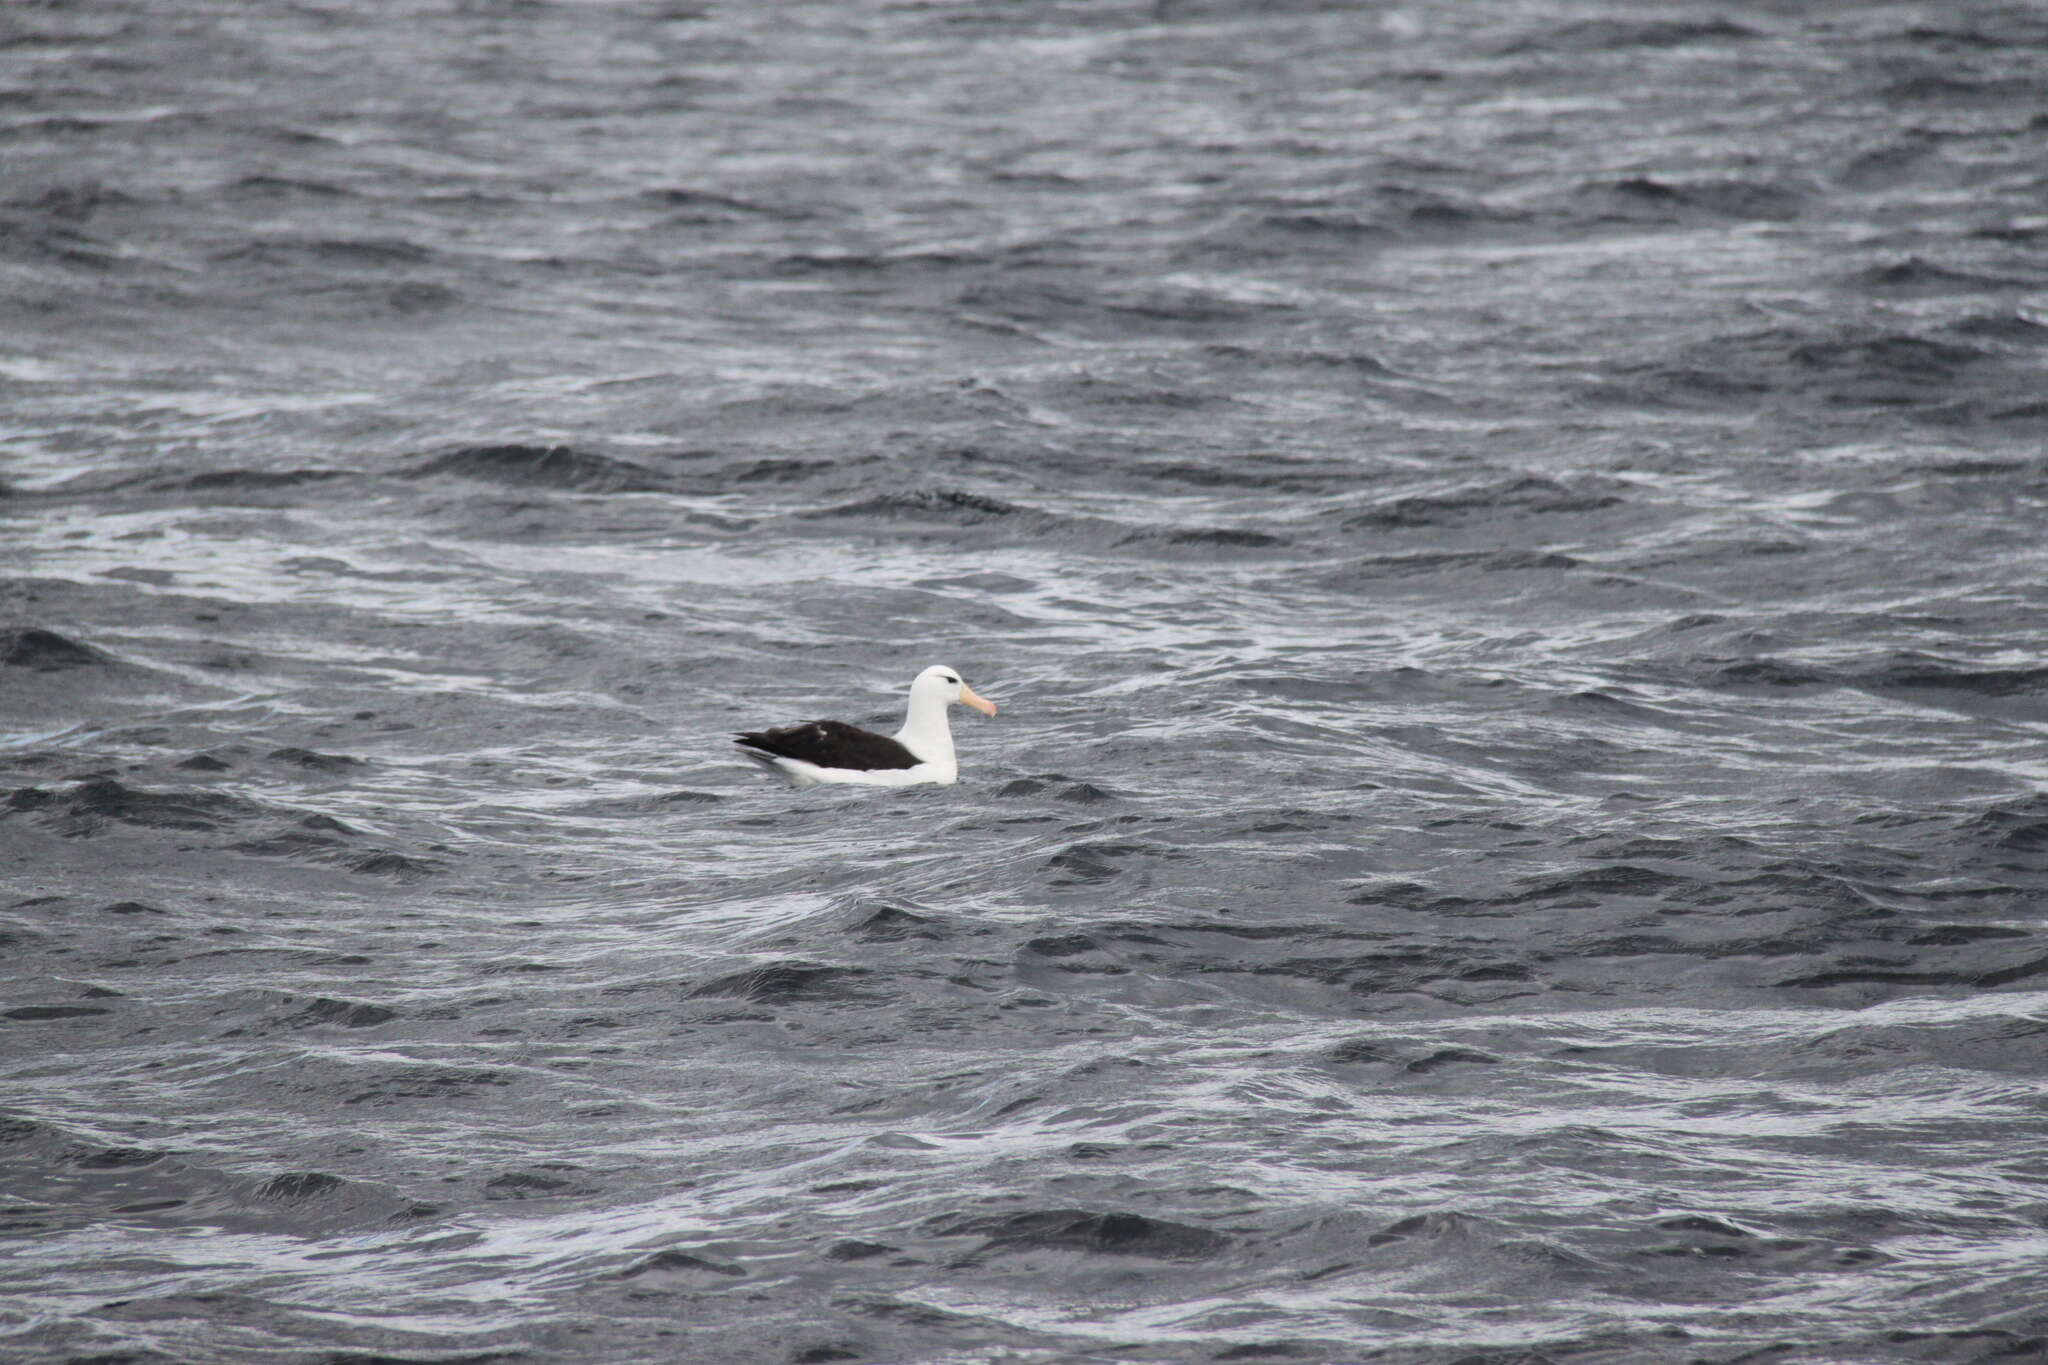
(833,751)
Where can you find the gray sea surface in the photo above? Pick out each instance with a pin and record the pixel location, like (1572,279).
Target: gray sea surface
(1508,538)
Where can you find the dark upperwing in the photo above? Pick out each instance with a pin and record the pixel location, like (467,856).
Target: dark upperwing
(831,744)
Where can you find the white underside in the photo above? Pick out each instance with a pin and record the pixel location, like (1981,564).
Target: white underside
(801,774)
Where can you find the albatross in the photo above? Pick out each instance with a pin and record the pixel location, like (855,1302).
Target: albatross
(833,751)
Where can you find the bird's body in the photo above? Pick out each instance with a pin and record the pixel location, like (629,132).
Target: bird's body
(833,751)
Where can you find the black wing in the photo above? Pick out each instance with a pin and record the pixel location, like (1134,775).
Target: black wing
(831,744)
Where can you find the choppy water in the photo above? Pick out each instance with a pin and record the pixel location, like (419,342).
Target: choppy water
(1508,538)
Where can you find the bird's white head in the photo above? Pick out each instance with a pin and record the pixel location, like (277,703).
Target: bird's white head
(945,685)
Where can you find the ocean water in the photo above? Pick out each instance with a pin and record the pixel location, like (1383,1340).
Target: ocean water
(1508,538)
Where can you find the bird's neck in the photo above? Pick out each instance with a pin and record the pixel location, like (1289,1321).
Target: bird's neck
(925,731)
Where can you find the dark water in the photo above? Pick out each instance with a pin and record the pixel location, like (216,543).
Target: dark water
(1508,538)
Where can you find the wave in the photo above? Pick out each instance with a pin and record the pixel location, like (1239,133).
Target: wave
(2012,329)
(1622,35)
(970,511)
(1517,495)
(271,188)
(952,506)
(532,466)
(80,1180)
(792,982)
(1855,368)
(1082,1230)
(1916,276)
(695,207)
(1432,563)
(2017,826)
(101,806)
(296,253)
(1982,977)
(1906,672)
(45,651)
(90,807)
(1646,199)
(255,480)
